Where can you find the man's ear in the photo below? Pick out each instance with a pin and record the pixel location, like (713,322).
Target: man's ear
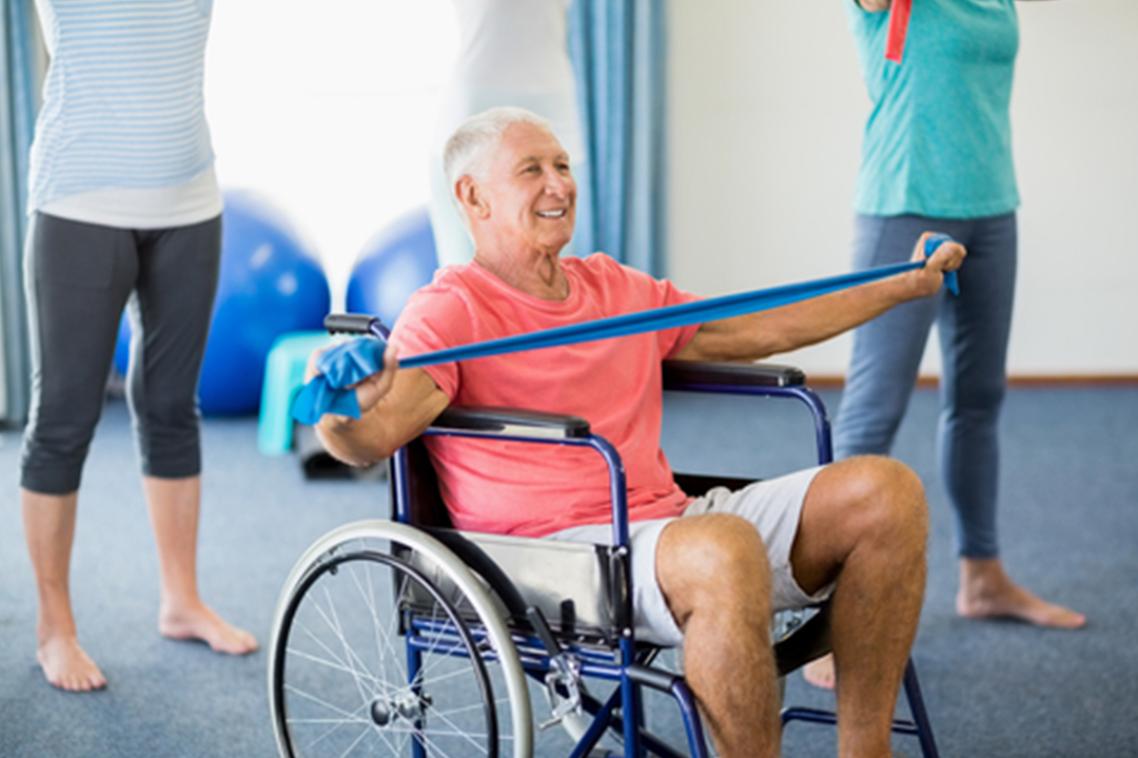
(471,197)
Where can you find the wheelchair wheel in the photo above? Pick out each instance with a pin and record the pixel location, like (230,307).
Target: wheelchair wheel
(384,643)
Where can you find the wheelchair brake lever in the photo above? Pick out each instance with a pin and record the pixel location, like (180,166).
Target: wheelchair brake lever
(564,672)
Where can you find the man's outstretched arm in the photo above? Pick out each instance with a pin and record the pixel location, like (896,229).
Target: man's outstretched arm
(755,336)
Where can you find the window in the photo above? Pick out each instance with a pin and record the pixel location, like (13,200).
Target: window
(328,111)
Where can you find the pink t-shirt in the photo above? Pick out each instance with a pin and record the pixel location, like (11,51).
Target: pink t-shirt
(528,489)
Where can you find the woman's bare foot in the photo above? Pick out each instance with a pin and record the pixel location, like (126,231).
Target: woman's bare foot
(986,591)
(66,666)
(199,622)
(820,672)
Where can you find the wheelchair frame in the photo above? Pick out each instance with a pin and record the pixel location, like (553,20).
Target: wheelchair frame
(531,648)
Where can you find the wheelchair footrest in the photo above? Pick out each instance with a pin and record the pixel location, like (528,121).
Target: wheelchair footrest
(657,679)
(819,716)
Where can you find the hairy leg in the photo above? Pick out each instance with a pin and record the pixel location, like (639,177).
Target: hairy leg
(865,523)
(174,506)
(714,574)
(884,363)
(49,528)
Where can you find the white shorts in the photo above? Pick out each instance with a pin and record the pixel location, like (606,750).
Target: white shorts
(774,506)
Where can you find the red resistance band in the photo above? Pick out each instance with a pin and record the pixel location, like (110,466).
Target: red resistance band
(898,27)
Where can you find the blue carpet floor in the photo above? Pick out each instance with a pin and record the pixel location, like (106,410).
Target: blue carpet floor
(1069,525)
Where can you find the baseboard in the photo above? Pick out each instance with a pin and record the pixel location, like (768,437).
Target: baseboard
(837,381)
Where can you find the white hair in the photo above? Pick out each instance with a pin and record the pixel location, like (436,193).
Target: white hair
(467,152)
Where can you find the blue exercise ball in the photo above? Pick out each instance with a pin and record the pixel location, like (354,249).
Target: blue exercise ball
(269,284)
(122,346)
(394,263)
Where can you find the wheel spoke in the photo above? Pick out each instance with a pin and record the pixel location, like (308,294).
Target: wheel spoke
(428,743)
(438,659)
(355,742)
(382,636)
(458,731)
(333,664)
(349,651)
(343,665)
(339,723)
(320,701)
(465,708)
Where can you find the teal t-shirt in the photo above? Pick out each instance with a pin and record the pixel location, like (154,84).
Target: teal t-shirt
(938,139)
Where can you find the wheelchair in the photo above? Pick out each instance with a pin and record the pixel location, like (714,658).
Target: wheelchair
(407,637)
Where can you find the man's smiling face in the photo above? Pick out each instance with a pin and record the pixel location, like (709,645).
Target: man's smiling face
(530,191)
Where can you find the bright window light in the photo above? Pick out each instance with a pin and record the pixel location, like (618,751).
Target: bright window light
(328,110)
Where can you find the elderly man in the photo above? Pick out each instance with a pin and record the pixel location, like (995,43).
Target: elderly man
(708,571)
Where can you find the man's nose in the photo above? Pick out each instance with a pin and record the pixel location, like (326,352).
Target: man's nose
(558,184)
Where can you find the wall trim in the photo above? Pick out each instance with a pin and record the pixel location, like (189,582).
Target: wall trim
(837,381)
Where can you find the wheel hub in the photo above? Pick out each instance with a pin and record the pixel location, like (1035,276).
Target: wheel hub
(407,705)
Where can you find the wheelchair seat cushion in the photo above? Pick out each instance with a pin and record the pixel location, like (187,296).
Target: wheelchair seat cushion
(573,584)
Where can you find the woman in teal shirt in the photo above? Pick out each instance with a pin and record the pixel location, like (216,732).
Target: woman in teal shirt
(937,154)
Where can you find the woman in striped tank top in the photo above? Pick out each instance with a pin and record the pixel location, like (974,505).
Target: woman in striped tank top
(125,212)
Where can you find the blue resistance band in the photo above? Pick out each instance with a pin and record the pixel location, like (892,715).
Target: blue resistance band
(354,360)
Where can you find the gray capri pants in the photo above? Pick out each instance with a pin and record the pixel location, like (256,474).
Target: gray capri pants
(773,506)
(78,277)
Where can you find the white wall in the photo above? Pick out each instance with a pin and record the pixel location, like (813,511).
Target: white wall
(765,111)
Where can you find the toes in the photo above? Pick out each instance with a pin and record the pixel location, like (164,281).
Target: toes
(66,667)
(1065,618)
(822,683)
(203,624)
(245,643)
(820,673)
(249,642)
(75,682)
(1021,605)
(234,641)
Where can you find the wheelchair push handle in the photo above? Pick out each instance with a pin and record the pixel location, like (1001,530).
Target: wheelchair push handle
(356,323)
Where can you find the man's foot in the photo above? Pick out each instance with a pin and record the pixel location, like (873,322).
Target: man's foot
(820,672)
(199,622)
(986,591)
(66,666)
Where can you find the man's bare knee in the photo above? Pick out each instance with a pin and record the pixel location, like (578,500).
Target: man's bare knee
(714,561)
(866,501)
(886,500)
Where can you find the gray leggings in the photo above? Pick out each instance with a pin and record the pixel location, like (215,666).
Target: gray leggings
(78,277)
(974,330)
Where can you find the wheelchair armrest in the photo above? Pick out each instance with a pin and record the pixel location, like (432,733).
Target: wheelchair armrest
(510,422)
(681,375)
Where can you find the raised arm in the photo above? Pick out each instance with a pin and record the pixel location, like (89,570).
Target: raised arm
(759,335)
(396,405)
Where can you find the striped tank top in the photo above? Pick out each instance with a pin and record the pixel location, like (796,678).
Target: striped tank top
(123,103)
